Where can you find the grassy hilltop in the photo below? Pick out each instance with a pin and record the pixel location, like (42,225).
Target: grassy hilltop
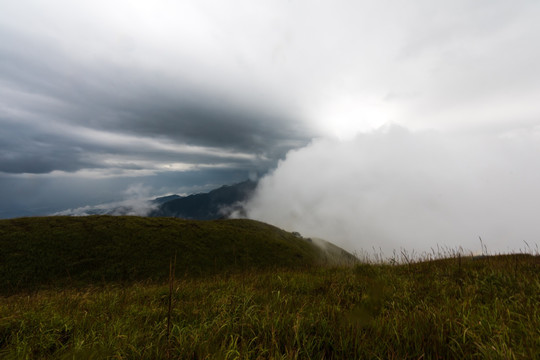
(273,300)
(37,252)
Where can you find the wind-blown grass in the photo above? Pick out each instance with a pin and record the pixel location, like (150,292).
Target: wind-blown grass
(457,308)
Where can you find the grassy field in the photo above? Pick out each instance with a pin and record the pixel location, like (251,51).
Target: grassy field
(454,308)
(76,251)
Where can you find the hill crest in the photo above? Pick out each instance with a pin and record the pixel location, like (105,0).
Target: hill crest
(64,250)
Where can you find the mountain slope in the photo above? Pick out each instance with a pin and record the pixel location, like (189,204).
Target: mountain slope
(215,204)
(81,250)
(164,199)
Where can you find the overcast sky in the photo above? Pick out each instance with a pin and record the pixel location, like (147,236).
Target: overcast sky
(98,98)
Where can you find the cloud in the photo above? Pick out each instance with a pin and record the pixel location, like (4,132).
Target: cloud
(39,148)
(394,188)
(149,89)
(71,94)
(137,202)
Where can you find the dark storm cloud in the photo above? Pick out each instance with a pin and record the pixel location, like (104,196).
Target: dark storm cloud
(24,151)
(56,111)
(31,147)
(121,100)
(216,125)
(36,149)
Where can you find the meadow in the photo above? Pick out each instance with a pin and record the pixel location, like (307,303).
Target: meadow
(453,307)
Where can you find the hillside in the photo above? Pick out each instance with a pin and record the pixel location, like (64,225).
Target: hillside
(483,307)
(37,252)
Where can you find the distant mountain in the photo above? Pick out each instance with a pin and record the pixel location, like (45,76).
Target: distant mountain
(216,204)
(164,199)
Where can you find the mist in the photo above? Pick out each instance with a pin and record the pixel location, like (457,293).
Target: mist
(394,189)
(137,201)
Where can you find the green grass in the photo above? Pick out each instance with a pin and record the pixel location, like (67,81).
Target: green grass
(484,309)
(59,251)
(453,308)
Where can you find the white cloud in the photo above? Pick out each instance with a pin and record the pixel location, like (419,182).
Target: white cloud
(137,201)
(394,189)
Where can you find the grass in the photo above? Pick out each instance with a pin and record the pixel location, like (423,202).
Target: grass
(76,251)
(449,308)
(485,309)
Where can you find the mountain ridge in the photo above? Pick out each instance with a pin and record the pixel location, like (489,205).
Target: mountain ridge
(215,204)
(218,203)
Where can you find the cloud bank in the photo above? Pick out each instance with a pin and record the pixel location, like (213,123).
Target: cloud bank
(394,189)
(97,95)
(137,202)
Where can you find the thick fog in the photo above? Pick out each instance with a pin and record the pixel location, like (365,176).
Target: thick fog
(393,189)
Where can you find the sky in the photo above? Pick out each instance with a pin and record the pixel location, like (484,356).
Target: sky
(375,124)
